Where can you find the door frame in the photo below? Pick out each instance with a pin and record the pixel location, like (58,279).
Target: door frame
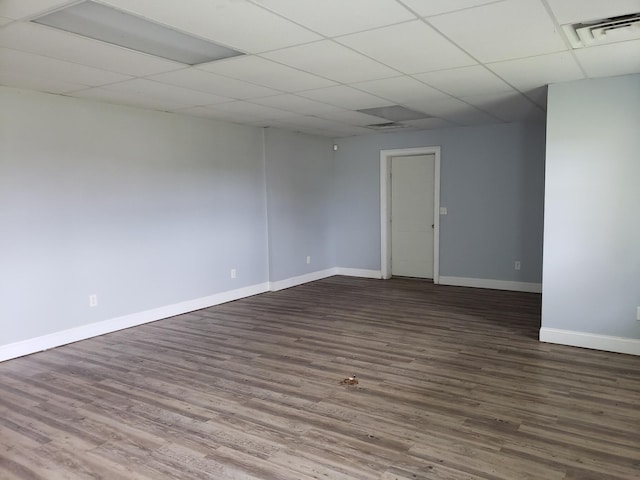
(385,206)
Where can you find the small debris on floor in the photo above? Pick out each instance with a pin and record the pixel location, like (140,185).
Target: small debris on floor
(352,380)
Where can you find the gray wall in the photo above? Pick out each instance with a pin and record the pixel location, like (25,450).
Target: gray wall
(592,207)
(299,193)
(142,208)
(147,209)
(492,183)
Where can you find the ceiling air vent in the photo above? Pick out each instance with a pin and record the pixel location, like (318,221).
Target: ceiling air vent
(386,126)
(606,30)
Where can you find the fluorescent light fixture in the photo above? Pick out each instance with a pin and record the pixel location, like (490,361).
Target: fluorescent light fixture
(100,22)
(395,113)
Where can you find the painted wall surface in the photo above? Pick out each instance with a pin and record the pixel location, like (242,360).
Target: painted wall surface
(147,209)
(492,184)
(299,191)
(592,207)
(142,208)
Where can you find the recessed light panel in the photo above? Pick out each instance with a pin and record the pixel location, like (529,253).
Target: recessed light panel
(100,22)
(395,113)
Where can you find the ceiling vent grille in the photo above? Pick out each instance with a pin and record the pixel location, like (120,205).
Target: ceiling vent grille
(386,126)
(601,32)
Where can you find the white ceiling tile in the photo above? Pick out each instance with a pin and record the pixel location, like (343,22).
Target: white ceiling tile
(22,63)
(293,103)
(532,72)
(400,89)
(127,98)
(573,11)
(196,79)
(310,121)
(18,9)
(465,81)
(264,123)
(333,61)
(506,106)
(33,82)
(610,60)
(454,110)
(266,73)
(337,17)
(251,109)
(352,118)
(411,47)
(428,123)
(502,31)
(349,131)
(436,7)
(232,23)
(474,117)
(208,112)
(346,97)
(50,42)
(159,91)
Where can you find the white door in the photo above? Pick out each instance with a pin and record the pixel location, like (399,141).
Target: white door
(412,196)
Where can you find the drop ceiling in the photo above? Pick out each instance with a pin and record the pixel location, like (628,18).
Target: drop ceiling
(311,65)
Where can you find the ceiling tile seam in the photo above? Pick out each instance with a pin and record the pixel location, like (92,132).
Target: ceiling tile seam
(395,102)
(178,65)
(40,77)
(46,11)
(131,77)
(327,37)
(335,82)
(372,29)
(269,106)
(143,97)
(558,28)
(424,19)
(456,10)
(118,104)
(29,18)
(452,122)
(278,14)
(437,30)
(187,89)
(291,111)
(148,77)
(456,123)
(297,92)
(334,121)
(229,77)
(333,39)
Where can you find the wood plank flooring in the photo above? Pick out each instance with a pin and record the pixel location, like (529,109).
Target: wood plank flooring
(453,385)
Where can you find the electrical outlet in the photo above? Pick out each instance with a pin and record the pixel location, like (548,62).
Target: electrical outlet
(308,259)
(638,314)
(517,265)
(233,273)
(93,300)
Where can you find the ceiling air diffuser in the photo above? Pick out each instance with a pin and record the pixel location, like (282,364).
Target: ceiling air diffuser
(603,31)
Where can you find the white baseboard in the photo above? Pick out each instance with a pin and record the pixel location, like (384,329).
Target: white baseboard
(492,284)
(358,272)
(57,339)
(299,280)
(594,341)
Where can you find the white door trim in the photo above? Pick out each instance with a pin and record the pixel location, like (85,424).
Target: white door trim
(385,207)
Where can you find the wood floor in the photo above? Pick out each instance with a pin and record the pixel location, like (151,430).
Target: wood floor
(453,385)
